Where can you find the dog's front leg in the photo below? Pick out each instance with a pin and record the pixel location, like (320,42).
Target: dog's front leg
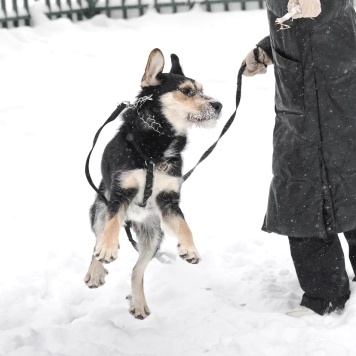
(186,247)
(173,218)
(106,248)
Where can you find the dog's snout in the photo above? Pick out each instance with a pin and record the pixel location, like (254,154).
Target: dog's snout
(217,106)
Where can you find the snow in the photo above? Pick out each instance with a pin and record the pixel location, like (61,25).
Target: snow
(59,83)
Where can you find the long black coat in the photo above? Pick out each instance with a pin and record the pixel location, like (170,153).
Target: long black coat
(313,191)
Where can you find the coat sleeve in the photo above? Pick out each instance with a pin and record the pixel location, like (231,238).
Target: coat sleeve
(265,44)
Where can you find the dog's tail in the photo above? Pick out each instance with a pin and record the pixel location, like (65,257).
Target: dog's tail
(128,225)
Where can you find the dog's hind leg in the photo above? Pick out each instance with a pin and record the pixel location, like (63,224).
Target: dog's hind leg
(149,236)
(95,276)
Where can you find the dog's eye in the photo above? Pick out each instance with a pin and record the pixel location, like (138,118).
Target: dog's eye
(188,91)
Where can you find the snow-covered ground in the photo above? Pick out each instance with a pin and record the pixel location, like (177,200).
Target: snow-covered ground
(59,82)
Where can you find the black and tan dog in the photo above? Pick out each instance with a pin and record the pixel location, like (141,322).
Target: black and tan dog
(154,127)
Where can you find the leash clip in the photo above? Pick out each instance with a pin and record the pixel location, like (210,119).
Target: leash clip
(126,103)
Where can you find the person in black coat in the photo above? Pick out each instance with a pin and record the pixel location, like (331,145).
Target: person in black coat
(313,191)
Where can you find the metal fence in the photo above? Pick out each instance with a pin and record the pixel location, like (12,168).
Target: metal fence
(14,13)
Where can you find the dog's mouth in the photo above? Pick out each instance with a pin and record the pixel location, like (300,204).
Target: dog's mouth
(207,117)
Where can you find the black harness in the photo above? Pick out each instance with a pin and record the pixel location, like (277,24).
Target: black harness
(152,161)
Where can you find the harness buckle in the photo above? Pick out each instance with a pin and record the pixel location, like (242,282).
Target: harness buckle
(150,161)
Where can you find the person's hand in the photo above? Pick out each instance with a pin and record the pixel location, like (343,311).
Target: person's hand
(308,8)
(256,62)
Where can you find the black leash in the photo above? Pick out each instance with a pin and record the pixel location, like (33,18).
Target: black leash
(121,107)
(150,161)
(227,125)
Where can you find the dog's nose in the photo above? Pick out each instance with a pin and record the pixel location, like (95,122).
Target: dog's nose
(217,106)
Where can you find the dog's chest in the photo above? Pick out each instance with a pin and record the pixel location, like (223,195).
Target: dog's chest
(162,182)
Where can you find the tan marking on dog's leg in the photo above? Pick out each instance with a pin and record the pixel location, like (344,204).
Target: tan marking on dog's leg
(186,247)
(96,274)
(107,248)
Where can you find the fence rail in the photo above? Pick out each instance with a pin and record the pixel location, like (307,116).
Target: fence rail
(14,14)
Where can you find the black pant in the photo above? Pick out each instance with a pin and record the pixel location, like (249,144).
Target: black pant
(320,267)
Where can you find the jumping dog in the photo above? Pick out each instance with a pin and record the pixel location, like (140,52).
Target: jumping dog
(154,131)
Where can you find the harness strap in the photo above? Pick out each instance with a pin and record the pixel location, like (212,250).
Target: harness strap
(150,162)
(225,128)
(149,184)
(112,117)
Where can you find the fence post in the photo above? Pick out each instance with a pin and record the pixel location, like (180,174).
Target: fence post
(28,18)
(124,9)
(14,7)
(141,9)
(91,8)
(3,8)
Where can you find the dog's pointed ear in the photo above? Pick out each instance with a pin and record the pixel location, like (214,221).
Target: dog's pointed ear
(154,67)
(176,68)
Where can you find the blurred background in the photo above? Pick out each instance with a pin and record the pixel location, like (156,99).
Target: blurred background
(17,12)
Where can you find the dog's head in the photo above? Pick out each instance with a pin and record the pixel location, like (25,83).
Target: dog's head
(182,100)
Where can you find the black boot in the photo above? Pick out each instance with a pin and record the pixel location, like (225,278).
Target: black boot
(320,267)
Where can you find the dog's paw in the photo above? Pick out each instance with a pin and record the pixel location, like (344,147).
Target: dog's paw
(138,308)
(106,253)
(95,276)
(189,253)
